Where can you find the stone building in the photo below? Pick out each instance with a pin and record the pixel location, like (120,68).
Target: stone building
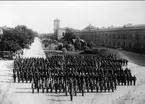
(60,32)
(129,37)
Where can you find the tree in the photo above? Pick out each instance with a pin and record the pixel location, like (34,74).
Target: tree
(69,35)
(78,43)
(26,36)
(64,50)
(17,38)
(91,44)
(59,46)
(70,47)
(84,45)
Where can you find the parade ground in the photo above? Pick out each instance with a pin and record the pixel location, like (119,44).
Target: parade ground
(21,93)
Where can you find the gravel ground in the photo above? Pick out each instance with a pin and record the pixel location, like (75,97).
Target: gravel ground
(20,93)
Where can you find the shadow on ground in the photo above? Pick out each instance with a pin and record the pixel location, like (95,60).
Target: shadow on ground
(28,92)
(57,100)
(24,88)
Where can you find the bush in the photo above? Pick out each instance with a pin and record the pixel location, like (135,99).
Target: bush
(64,49)
(70,47)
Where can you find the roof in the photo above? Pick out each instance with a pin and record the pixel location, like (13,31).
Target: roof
(112,28)
(90,27)
(56,20)
(72,29)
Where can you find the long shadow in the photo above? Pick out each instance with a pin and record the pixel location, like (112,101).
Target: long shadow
(58,100)
(5,82)
(56,95)
(99,92)
(9,73)
(5,75)
(8,70)
(28,92)
(7,79)
(24,88)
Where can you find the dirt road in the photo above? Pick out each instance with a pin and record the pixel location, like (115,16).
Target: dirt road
(20,93)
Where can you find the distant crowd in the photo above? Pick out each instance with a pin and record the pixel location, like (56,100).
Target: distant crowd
(73,74)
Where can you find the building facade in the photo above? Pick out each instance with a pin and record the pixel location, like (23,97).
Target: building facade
(58,32)
(129,37)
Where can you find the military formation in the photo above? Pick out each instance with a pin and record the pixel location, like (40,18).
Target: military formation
(73,74)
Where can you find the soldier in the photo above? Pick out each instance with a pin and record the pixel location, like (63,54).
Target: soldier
(101,87)
(32,85)
(43,86)
(105,86)
(37,85)
(134,80)
(71,90)
(87,85)
(108,86)
(56,86)
(22,77)
(130,80)
(97,84)
(66,88)
(91,84)
(83,86)
(125,78)
(14,77)
(40,82)
(75,87)
(47,84)
(18,76)
(112,86)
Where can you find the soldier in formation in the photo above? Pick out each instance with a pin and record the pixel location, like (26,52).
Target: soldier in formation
(73,74)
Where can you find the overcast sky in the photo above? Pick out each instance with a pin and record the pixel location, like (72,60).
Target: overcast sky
(39,15)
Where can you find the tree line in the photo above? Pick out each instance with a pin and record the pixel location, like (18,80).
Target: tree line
(73,42)
(17,38)
(69,42)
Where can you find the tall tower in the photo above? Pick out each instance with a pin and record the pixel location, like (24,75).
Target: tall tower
(56,24)
(56,27)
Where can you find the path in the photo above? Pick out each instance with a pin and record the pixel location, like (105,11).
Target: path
(5,78)
(35,50)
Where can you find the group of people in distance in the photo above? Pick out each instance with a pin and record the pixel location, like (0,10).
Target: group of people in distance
(73,74)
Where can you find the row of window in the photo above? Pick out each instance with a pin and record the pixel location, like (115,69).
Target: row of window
(119,35)
(124,44)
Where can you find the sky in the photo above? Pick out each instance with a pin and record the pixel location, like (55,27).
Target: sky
(40,15)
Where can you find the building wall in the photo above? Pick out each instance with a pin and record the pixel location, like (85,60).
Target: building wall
(126,38)
(60,33)
(56,24)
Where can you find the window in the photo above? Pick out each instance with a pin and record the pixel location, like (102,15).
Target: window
(144,46)
(137,36)
(113,43)
(144,37)
(130,36)
(118,44)
(110,43)
(130,45)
